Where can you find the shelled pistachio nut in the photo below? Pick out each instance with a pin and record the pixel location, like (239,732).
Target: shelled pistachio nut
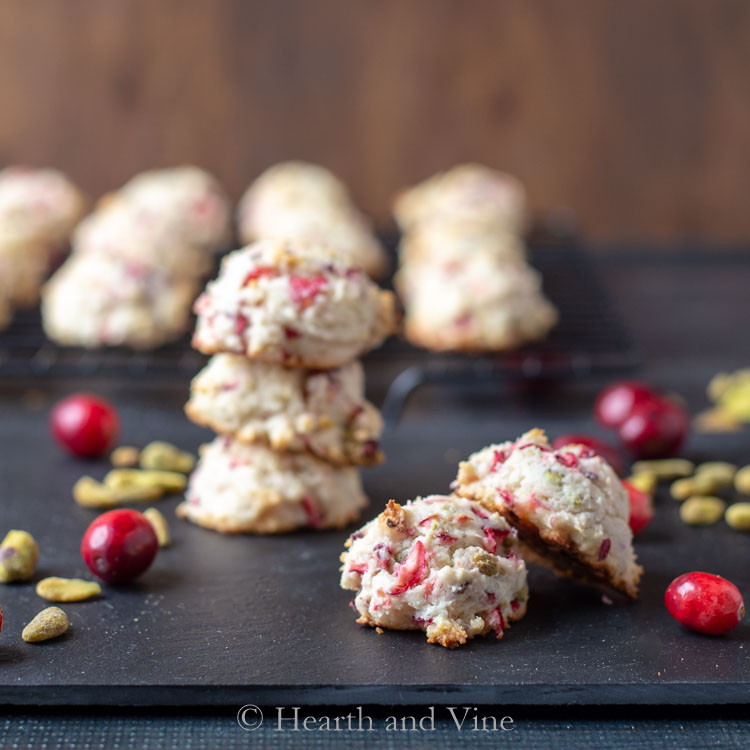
(67,589)
(645,481)
(89,493)
(19,553)
(665,468)
(702,510)
(124,457)
(129,480)
(167,457)
(160,526)
(721,472)
(742,481)
(738,516)
(49,623)
(700,484)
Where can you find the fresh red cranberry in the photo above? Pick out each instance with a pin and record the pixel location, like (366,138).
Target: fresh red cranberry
(412,570)
(85,425)
(655,429)
(567,459)
(119,545)
(500,457)
(493,537)
(303,291)
(601,448)
(616,402)
(496,621)
(311,511)
(258,273)
(705,602)
(641,508)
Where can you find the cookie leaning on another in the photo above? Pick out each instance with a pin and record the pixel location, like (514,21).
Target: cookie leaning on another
(568,506)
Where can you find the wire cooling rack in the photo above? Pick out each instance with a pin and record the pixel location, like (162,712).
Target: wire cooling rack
(26,351)
(589,339)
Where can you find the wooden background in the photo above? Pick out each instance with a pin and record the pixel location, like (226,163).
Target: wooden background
(635,114)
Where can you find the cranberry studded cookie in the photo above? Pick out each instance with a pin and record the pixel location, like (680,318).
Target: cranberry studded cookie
(239,488)
(466,193)
(569,507)
(301,307)
(444,241)
(323,412)
(95,301)
(481,302)
(303,202)
(24,265)
(441,564)
(122,230)
(38,205)
(188,198)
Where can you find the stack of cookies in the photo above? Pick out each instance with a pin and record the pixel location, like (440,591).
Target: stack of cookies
(463,276)
(298,201)
(38,210)
(138,261)
(285,323)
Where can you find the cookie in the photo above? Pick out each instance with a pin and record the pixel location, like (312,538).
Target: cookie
(305,203)
(284,189)
(239,488)
(96,301)
(468,192)
(289,409)
(570,509)
(24,264)
(445,241)
(187,197)
(343,230)
(479,303)
(38,205)
(441,564)
(122,230)
(277,302)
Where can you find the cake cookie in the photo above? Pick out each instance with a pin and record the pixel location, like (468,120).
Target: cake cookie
(444,241)
(292,305)
(344,230)
(479,303)
(284,189)
(305,203)
(95,301)
(569,507)
(123,230)
(40,205)
(24,264)
(441,564)
(188,197)
(239,488)
(323,412)
(468,192)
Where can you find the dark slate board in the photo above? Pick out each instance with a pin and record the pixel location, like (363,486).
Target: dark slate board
(237,620)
